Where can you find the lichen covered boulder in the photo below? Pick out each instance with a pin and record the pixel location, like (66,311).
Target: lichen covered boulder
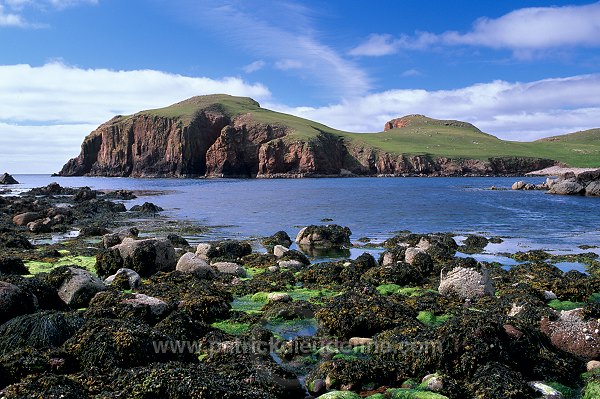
(146,257)
(466,283)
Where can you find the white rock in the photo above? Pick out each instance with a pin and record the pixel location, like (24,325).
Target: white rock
(279,297)
(279,250)
(411,254)
(192,263)
(230,268)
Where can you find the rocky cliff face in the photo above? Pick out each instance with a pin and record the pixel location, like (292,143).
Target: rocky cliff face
(212,143)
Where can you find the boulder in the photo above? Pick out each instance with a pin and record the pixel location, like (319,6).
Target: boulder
(410,254)
(518,185)
(592,365)
(291,264)
(14,240)
(195,264)
(110,240)
(12,265)
(279,250)
(573,334)
(567,187)
(132,278)
(79,287)
(85,194)
(14,302)
(23,219)
(466,283)
(40,226)
(229,268)
(147,256)
(360,341)
(593,189)
(147,207)
(93,231)
(202,250)
(157,307)
(279,297)
(330,236)
(7,179)
(229,250)
(279,238)
(178,241)
(545,390)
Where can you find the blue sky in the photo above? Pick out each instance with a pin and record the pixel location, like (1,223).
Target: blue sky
(517,69)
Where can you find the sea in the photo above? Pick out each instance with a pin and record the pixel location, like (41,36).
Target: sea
(373,208)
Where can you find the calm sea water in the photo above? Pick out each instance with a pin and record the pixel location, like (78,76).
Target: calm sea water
(371,207)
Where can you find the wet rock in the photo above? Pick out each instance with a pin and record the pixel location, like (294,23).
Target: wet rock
(146,257)
(573,334)
(38,330)
(14,302)
(12,265)
(155,306)
(14,240)
(93,231)
(40,226)
(279,238)
(330,236)
(147,208)
(466,283)
(124,195)
(229,268)
(124,279)
(292,254)
(78,286)
(85,194)
(279,250)
(178,241)
(593,189)
(229,250)
(546,391)
(317,386)
(475,243)
(279,297)
(110,240)
(23,219)
(192,263)
(6,179)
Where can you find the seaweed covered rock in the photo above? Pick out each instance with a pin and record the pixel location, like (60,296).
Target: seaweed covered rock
(228,250)
(179,325)
(147,208)
(474,244)
(497,381)
(48,385)
(15,302)
(38,330)
(124,278)
(324,237)
(363,314)
(466,283)
(39,287)
(398,273)
(178,241)
(76,287)
(280,238)
(146,257)
(12,265)
(125,306)
(14,240)
(572,333)
(109,343)
(194,264)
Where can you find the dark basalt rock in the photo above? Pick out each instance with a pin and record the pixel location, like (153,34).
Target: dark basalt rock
(147,208)
(12,265)
(279,238)
(7,179)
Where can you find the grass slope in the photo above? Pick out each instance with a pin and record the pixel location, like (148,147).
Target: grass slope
(421,135)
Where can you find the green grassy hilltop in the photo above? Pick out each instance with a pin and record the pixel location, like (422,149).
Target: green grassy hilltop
(420,135)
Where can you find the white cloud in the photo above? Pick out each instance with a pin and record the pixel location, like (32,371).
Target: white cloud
(411,73)
(514,111)
(15,17)
(255,66)
(522,31)
(48,110)
(10,19)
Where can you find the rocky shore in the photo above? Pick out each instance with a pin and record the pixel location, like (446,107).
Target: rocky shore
(130,310)
(579,182)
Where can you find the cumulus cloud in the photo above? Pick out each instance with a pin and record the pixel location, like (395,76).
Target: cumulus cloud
(11,19)
(522,31)
(514,111)
(48,110)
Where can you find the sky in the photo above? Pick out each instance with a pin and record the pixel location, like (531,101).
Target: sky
(519,70)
